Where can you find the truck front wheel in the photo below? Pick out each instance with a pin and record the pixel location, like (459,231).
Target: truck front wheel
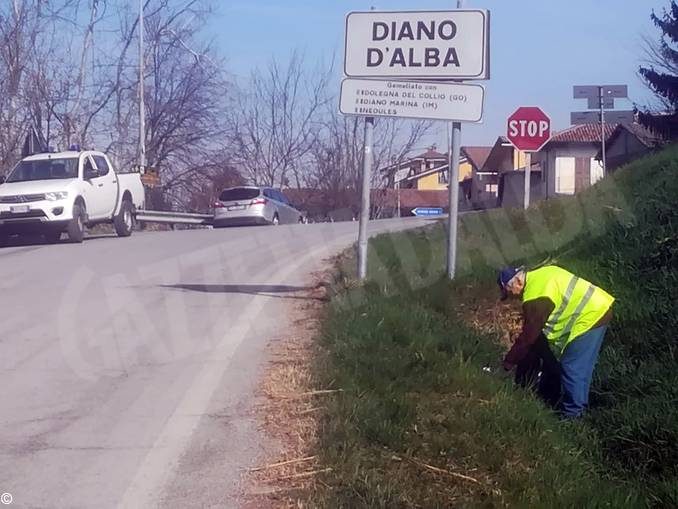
(76,227)
(124,221)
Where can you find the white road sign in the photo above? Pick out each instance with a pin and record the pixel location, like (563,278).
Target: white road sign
(584,117)
(595,103)
(418,44)
(587,91)
(620,117)
(407,99)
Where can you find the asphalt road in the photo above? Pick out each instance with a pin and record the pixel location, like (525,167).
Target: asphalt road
(127,366)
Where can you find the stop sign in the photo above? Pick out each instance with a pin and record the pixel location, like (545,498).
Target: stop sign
(529,129)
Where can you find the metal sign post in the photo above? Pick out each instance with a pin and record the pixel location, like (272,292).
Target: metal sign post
(365,200)
(453,156)
(602,127)
(528,181)
(601,97)
(453,187)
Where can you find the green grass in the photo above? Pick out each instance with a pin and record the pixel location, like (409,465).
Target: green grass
(414,392)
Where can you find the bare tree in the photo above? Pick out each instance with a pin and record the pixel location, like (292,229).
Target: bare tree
(186,89)
(60,95)
(276,122)
(337,155)
(204,190)
(23,53)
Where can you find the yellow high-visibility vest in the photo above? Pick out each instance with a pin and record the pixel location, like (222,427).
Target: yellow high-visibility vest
(579,305)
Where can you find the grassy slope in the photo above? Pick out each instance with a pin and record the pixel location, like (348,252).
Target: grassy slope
(414,392)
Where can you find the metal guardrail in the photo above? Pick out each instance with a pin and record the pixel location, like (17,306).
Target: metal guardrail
(156,216)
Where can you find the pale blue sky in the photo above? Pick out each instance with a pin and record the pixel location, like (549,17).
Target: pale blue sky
(539,48)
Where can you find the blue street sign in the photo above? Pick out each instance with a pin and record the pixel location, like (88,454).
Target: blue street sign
(427,211)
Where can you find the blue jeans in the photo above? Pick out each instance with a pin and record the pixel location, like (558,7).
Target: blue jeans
(577,363)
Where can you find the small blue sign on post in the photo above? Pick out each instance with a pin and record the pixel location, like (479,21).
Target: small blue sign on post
(427,211)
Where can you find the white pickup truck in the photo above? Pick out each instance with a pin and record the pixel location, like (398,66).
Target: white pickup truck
(66,192)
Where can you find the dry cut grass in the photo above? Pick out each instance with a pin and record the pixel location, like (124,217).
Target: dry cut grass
(291,405)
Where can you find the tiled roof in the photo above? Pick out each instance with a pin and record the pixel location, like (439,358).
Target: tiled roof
(477,155)
(644,135)
(584,133)
(430,154)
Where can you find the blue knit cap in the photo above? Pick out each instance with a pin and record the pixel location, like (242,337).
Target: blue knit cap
(505,275)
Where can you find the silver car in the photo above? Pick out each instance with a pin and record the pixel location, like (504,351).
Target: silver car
(238,206)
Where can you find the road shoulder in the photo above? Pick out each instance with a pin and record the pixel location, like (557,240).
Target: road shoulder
(289,406)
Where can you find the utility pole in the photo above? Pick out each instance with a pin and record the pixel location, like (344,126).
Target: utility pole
(454,147)
(142,107)
(365,200)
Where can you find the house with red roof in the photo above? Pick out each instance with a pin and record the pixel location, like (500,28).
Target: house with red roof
(429,171)
(629,142)
(422,180)
(501,159)
(571,161)
(476,177)
(568,162)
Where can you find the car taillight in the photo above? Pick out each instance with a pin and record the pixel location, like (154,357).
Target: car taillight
(258,201)
(218,205)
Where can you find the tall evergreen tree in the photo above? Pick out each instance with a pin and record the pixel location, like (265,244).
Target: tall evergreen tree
(662,75)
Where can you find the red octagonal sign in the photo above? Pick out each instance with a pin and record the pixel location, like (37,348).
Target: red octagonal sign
(529,129)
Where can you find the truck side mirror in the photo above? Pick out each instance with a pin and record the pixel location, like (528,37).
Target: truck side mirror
(2,179)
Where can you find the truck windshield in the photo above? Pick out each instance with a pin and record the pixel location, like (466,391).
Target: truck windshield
(44,169)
